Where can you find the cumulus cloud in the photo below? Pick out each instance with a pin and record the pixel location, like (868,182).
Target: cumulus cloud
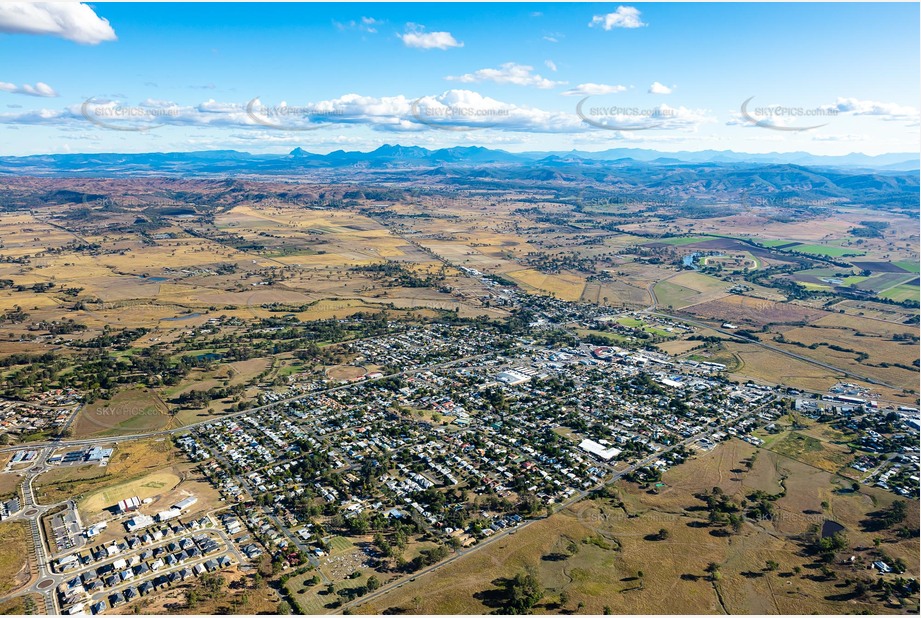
(889,111)
(40,89)
(508,73)
(628,118)
(623,17)
(787,117)
(463,109)
(589,89)
(416,36)
(657,88)
(452,110)
(73,21)
(550,65)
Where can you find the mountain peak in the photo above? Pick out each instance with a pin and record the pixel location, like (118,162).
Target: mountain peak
(396,150)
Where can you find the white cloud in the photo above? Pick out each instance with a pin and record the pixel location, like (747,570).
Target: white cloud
(453,110)
(787,117)
(661,117)
(550,65)
(585,90)
(623,17)
(73,21)
(366,24)
(40,89)
(889,111)
(657,88)
(508,73)
(416,36)
(469,109)
(554,37)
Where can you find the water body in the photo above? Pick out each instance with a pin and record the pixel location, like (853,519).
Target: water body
(179,318)
(691,260)
(154,279)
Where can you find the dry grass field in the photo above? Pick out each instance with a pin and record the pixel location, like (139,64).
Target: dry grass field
(131,460)
(860,337)
(239,595)
(9,481)
(616,293)
(14,559)
(345,372)
(565,287)
(21,605)
(767,366)
(743,310)
(600,555)
(147,486)
(614,545)
(134,410)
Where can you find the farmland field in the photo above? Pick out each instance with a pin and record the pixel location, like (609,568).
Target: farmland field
(827,250)
(902,292)
(745,310)
(912,266)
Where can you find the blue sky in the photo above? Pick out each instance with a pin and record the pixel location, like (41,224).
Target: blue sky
(823,78)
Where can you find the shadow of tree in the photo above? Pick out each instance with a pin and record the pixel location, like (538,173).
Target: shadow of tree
(497,597)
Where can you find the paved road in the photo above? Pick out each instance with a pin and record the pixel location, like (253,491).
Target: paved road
(580,495)
(32,512)
(190,426)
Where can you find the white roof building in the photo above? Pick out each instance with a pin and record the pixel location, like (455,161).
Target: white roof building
(139,521)
(167,515)
(512,377)
(185,503)
(590,446)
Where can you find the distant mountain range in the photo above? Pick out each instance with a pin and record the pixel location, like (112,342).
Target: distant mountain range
(232,162)
(885,182)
